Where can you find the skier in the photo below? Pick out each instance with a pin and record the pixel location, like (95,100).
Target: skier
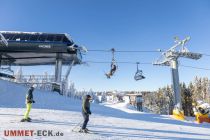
(85,112)
(29,101)
(112,71)
(139,103)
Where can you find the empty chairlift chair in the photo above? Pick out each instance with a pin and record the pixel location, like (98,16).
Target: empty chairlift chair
(139,74)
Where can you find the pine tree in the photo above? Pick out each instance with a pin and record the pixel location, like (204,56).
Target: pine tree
(170,96)
(186,99)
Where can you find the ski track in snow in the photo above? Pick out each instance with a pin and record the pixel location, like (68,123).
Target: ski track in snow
(108,121)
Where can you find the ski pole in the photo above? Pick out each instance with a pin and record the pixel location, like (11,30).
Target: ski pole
(76,125)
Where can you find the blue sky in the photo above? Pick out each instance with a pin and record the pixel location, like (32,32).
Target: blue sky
(119,24)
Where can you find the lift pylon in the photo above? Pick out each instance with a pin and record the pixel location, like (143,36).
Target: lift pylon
(170,58)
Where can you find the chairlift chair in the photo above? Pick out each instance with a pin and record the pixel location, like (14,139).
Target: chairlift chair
(113,66)
(139,74)
(7,73)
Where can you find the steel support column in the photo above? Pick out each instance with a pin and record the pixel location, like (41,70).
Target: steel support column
(69,70)
(175,83)
(58,68)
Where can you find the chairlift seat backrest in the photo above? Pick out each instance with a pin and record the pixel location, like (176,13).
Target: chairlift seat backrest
(139,75)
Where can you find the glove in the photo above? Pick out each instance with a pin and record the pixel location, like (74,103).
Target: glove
(90,112)
(29,102)
(33,101)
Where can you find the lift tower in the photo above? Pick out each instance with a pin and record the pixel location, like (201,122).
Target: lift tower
(170,58)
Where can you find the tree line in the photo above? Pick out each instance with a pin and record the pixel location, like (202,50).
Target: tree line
(161,101)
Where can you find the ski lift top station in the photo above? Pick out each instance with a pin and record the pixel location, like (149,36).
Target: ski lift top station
(35,48)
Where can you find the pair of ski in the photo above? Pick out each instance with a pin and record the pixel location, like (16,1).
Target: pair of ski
(32,120)
(85,132)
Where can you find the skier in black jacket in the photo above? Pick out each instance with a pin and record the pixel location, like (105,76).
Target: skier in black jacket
(85,112)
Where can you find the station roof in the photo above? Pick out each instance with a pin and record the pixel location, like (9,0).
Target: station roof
(36,36)
(36,48)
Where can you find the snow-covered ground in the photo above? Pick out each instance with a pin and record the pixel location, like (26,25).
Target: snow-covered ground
(109,121)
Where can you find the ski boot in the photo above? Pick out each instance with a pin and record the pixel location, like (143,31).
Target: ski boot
(22,120)
(29,119)
(86,129)
(26,120)
(83,130)
(108,75)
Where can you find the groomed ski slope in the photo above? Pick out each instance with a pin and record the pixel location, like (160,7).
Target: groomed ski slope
(108,121)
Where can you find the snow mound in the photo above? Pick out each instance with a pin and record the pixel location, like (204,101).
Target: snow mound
(12,95)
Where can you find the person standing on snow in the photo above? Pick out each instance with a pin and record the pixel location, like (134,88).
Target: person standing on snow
(139,103)
(29,101)
(85,112)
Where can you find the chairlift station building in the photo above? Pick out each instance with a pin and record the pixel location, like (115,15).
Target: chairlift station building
(35,48)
